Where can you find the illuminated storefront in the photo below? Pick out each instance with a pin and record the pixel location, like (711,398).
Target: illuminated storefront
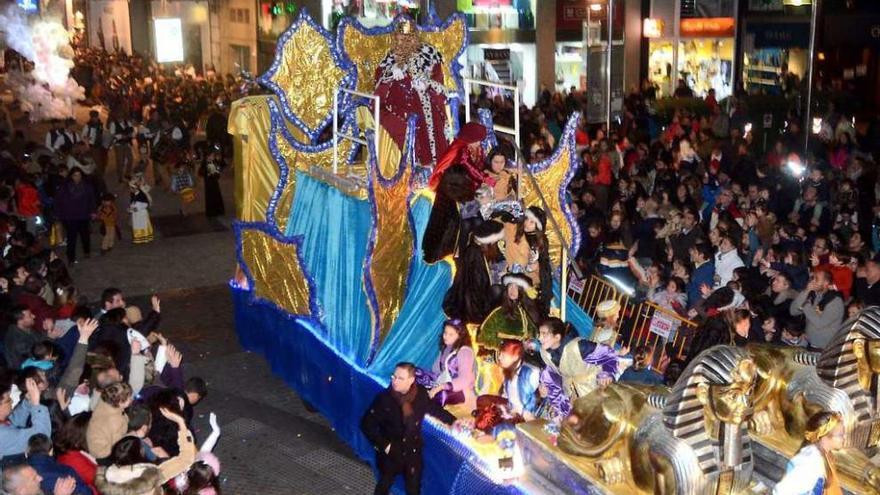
(692,40)
(775,45)
(775,55)
(483,15)
(370,13)
(502,42)
(570,66)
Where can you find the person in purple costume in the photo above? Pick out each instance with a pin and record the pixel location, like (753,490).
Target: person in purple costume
(451,379)
(573,367)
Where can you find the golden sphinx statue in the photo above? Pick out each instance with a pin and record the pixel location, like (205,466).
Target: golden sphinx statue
(793,384)
(692,440)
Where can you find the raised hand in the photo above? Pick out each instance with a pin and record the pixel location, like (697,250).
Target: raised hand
(61,395)
(32,391)
(173,417)
(64,486)
(174,356)
(86,328)
(156,303)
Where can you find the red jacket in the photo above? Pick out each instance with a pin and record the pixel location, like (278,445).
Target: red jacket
(38,306)
(841,276)
(604,174)
(28,200)
(83,465)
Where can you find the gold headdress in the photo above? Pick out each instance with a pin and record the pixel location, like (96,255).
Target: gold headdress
(824,429)
(405,26)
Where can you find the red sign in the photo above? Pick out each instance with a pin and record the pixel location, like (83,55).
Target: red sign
(708,27)
(571,14)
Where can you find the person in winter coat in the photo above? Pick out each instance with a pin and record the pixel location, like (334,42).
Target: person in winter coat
(109,422)
(131,474)
(50,470)
(75,204)
(72,449)
(393,425)
(18,425)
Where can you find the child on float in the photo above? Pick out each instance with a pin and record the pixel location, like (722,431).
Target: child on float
(812,470)
(451,379)
(573,367)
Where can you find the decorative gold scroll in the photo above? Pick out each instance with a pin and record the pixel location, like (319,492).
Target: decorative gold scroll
(308,75)
(552,184)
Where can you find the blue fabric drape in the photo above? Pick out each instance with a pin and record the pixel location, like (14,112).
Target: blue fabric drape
(335,229)
(415,332)
(574,314)
(341,390)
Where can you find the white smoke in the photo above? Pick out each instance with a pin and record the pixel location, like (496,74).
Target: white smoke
(48,91)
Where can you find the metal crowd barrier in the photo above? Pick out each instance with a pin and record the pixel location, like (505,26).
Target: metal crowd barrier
(641,323)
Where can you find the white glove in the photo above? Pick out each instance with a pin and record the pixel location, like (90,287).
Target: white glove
(211,441)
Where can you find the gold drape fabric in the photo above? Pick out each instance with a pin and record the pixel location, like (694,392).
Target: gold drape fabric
(277,274)
(392,252)
(256,173)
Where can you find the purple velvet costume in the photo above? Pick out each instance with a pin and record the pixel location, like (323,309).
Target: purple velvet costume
(459,382)
(557,404)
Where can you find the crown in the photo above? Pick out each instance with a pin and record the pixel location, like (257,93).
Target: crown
(405,26)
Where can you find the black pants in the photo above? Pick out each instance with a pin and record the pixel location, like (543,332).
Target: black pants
(389,468)
(72,229)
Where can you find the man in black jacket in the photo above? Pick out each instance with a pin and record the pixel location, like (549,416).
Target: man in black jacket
(393,424)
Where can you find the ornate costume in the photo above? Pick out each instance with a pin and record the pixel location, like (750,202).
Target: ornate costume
(573,370)
(472,296)
(141,226)
(518,321)
(454,369)
(414,87)
(455,179)
(521,389)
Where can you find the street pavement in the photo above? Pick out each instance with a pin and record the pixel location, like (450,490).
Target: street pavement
(270,443)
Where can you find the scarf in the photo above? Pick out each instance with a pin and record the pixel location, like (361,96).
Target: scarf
(405,401)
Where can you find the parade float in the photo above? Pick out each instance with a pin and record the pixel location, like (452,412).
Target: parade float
(332,288)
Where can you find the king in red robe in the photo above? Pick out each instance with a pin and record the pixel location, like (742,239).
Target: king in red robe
(409,81)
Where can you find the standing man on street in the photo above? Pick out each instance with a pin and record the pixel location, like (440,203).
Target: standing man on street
(393,424)
(122,130)
(93,135)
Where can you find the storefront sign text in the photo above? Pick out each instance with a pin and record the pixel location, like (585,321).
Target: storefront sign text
(710,27)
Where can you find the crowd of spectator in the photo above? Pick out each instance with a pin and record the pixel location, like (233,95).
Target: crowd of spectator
(691,214)
(92,399)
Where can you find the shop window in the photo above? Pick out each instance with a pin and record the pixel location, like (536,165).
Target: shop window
(703,63)
(499,14)
(373,13)
(241,55)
